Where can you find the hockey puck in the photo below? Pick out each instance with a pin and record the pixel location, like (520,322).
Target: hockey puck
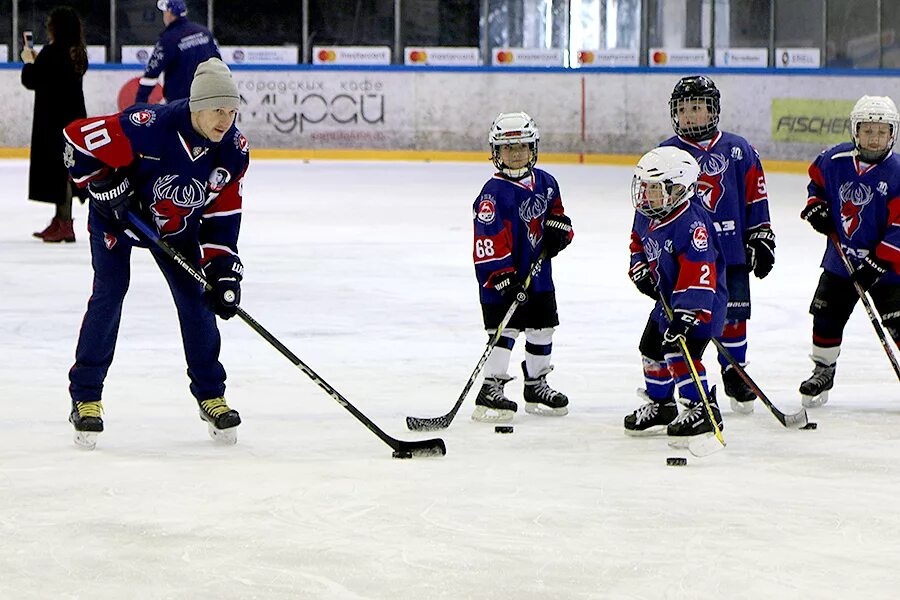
(399,454)
(675,461)
(503,429)
(810,425)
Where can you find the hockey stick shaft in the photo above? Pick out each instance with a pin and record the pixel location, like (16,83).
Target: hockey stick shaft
(795,420)
(423,447)
(870,310)
(442,422)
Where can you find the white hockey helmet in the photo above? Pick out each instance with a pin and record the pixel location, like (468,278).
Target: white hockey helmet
(874,109)
(513,128)
(663,179)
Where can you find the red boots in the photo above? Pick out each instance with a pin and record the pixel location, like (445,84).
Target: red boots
(57,231)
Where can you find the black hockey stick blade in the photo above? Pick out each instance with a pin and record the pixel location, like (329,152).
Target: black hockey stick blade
(432,424)
(421,448)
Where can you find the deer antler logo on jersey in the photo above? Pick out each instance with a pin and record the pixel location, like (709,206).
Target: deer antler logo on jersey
(173,203)
(853,199)
(709,185)
(532,213)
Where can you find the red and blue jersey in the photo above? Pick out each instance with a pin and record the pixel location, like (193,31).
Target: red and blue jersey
(731,187)
(509,230)
(865,206)
(683,253)
(185,184)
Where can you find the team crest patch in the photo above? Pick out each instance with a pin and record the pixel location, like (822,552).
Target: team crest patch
(142,117)
(241,143)
(110,240)
(854,197)
(486,210)
(218,179)
(700,237)
(69,156)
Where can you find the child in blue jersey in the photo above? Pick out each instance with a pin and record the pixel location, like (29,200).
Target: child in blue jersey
(179,168)
(732,188)
(518,215)
(854,192)
(674,253)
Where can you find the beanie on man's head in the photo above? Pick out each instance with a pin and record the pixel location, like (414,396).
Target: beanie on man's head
(213,87)
(176,7)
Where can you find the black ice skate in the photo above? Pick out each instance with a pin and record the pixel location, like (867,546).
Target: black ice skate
(88,423)
(652,418)
(694,421)
(738,392)
(815,389)
(491,406)
(541,399)
(220,419)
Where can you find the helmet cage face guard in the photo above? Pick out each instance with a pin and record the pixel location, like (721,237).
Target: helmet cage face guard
(655,199)
(509,129)
(506,169)
(874,109)
(695,132)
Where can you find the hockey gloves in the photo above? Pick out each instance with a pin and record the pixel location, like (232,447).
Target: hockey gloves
(818,214)
(761,251)
(868,272)
(557,234)
(509,286)
(643,280)
(111,196)
(223,274)
(682,322)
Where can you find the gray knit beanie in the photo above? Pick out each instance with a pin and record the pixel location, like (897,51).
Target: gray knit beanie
(213,87)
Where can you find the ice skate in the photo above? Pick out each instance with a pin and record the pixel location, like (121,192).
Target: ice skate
(221,420)
(541,399)
(694,421)
(738,392)
(652,418)
(815,389)
(85,418)
(491,406)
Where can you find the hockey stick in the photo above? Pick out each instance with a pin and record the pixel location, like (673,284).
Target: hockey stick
(700,445)
(870,310)
(442,422)
(794,421)
(402,449)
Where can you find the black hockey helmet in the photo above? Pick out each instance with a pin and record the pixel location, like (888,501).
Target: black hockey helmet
(700,89)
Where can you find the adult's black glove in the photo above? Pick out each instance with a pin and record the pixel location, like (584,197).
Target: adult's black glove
(818,214)
(111,196)
(557,234)
(223,274)
(509,286)
(869,271)
(761,251)
(642,279)
(682,322)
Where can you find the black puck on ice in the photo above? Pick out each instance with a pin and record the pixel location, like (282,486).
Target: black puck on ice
(810,425)
(401,454)
(675,461)
(503,429)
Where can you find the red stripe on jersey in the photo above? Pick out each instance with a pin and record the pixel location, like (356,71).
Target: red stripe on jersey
(755,185)
(816,175)
(229,199)
(101,138)
(695,275)
(893,212)
(492,247)
(636,245)
(888,253)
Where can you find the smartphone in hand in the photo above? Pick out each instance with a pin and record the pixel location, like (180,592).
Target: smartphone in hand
(28,37)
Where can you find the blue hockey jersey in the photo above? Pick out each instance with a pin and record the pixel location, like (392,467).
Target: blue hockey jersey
(509,230)
(182,46)
(686,262)
(732,187)
(865,206)
(188,186)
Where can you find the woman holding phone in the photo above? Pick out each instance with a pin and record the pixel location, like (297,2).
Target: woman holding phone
(55,74)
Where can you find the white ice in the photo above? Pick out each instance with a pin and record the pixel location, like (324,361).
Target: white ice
(364,271)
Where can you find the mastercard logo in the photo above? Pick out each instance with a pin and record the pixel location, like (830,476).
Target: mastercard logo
(418,56)
(327,55)
(585,57)
(504,57)
(660,58)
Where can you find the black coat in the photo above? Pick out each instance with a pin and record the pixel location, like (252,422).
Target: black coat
(58,100)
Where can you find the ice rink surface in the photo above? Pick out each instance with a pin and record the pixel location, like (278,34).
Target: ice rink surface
(364,271)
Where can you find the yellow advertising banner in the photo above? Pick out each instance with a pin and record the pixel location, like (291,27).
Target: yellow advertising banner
(811,121)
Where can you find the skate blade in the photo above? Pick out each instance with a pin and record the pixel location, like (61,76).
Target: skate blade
(483,414)
(742,408)
(86,440)
(814,401)
(225,437)
(535,408)
(653,431)
(698,445)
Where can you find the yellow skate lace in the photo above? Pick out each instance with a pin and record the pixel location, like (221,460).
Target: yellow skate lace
(90,409)
(215,406)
